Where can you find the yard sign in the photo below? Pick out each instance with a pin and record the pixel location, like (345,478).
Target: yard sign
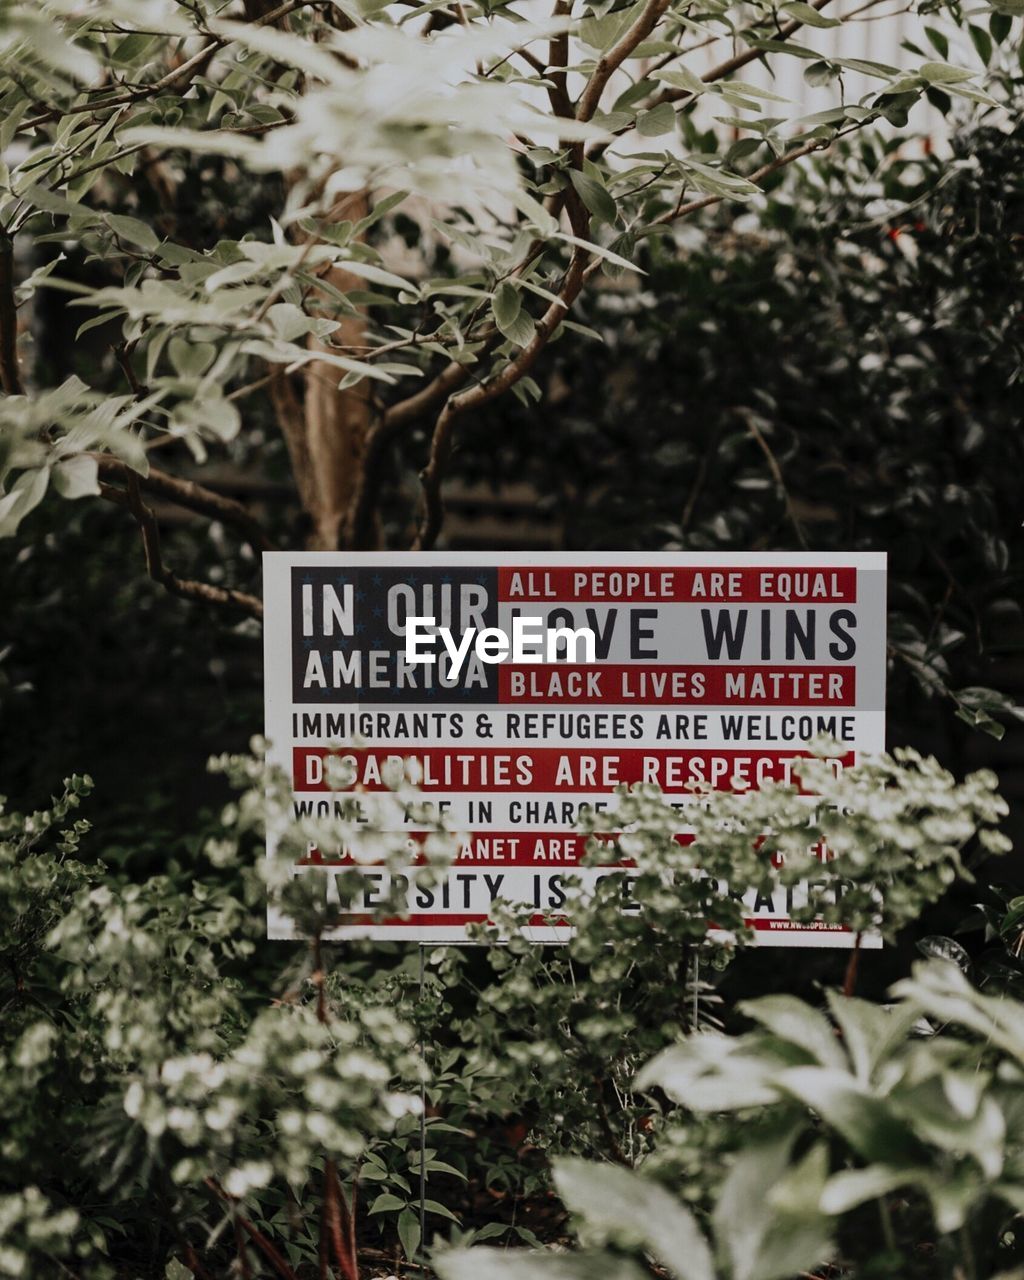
(706,668)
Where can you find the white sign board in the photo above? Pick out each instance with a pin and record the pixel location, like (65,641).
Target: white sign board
(705,668)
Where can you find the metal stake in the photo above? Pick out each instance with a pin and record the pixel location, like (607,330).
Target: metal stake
(423,1119)
(696,982)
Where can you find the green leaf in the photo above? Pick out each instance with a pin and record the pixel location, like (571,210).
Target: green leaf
(600,251)
(210,416)
(768,1240)
(659,120)
(442,1166)
(681,78)
(522,1264)
(520,330)
(846,1190)
(880,70)
(620,1202)
(939,990)
(436,1207)
(387,1203)
(792,1019)
(132,230)
(896,107)
(377,275)
(808,15)
(584,330)
(713,1073)
(25,495)
(291,322)
(943,73)
(594,196)
(409,1233)
(938,41)
(870,1031)
(953,1195)
(982,42)
(869,1124)
(76,477)
(718,182)
(281,352)
(820,73)
(506,305)
(190,359)
(380,210)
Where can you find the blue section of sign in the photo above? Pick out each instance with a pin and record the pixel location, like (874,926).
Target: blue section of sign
(348,632)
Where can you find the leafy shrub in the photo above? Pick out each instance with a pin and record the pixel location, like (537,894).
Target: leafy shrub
(912,1110)
(140,1072)
(213,1119)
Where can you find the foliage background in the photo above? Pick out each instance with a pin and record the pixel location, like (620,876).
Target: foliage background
(839,367)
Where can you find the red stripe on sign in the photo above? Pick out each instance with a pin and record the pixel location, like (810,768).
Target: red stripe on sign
(439,918)
(682,586)
(549,851)
(545,769)
(779,924)
(644,684)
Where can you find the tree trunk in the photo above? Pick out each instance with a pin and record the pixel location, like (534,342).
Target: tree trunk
(336,423)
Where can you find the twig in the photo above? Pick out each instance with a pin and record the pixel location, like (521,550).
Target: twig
(10,375)
(773,466)
(850,981)
(558,60)
(614,1148)
(698,483)
(188,69)
(718,72)
(443,388)
(359,520)
(578,273)
(333,1208)
(479,395)
(352,1212)
(189,494)
(610,62)
(185,588)
(323,1258)
(737,61)
(255,1235)
(240,1249)
(765,171)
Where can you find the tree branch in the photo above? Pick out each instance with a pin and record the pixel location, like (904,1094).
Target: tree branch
(765,171)
(558,60)
(359,521)
(479,395)
(184,588)
(255,1235)
(339,1222)
(173,79)
(10,374)
(773,466)
(737,61)
(610,62)
(716,73)
(579,272)
(442,388)
(190,494)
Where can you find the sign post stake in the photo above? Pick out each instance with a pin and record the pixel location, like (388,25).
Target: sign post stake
(423,1115)
(694,1025)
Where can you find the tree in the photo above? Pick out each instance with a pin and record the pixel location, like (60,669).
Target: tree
(539,152)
